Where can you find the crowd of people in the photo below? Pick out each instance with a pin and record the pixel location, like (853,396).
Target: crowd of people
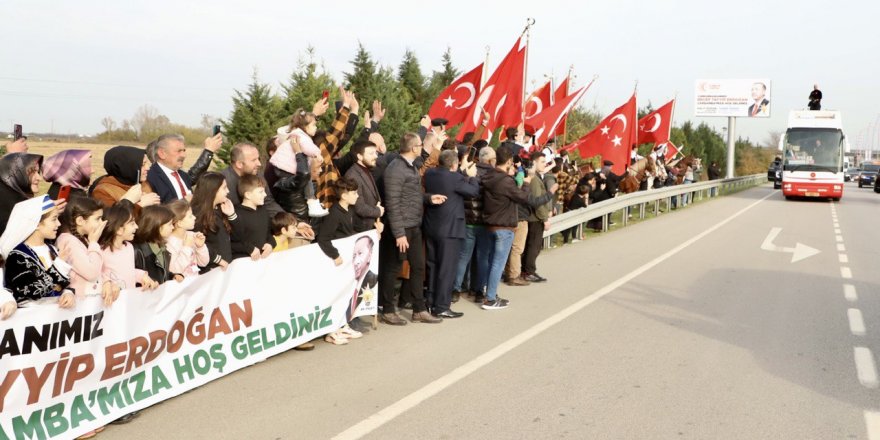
(456,218)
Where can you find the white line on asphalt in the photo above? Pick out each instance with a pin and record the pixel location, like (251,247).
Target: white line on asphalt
(415,398)
(849,292)
(845,272)
(837,231)
(865,367)
(839,239)
(841,247)
(843,258)
(872,423)
(856,323)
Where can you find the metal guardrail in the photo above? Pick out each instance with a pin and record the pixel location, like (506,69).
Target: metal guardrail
(683,194)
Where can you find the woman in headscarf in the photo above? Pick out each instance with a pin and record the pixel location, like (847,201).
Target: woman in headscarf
(19,181)
(69,168)
(126,179)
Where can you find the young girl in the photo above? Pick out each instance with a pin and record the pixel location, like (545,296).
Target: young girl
(188,250)
(215,218)
(155,225)
(81,227)
(338,224)
(34,268)
(302,128)
(117,251)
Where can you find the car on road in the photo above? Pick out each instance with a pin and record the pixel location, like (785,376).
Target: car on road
(850,174)
(868,174)
(876,185)
(773,169)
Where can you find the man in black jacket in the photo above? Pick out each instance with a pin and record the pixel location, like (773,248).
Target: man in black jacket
(368,209)
(444,226)
(477,238)
(501,201)
(402,237)
(816,98)
(244,159)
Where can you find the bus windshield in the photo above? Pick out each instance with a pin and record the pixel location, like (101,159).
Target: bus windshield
(812,149)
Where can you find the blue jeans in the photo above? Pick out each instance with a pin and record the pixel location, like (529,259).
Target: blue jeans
(476,237)
(502,241)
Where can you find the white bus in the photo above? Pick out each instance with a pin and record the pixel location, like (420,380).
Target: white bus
(813,150)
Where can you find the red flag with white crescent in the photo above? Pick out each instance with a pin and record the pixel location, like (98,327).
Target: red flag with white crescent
(455,101)
(538,101)
(655,126)
(501,95)
(544,124)
(612,138)
(671,150)
(560,93)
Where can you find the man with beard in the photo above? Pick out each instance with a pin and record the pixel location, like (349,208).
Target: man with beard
(244,159)
(368,209)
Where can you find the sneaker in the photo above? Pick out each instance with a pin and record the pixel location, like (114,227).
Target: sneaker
(503,300)
(479,298)
(315,208)
(493,305)
(517,282)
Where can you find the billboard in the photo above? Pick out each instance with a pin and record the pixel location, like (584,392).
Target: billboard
(732,97)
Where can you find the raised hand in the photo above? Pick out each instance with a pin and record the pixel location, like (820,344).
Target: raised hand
(213,143)
(17,146)
(95,235)
(378,111)
(149,199)
(425,122)
(267,249)
(320,107)
(134,193)
(227,208)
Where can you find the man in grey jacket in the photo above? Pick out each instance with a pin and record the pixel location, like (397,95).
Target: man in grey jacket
(402,238)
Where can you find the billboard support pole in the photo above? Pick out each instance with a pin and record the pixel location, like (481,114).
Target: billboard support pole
(731,145)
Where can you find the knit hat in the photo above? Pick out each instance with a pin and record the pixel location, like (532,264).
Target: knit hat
(23,221)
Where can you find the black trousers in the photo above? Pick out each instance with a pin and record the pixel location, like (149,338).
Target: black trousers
(534,243)
(390,261)
(443,256)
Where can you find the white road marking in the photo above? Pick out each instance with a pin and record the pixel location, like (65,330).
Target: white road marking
(845,272)
(849,292)
(839,239)
(799,252)
(837,231)
(865,367)
(836,225)
(872,423)
(856,323)
(415,398)
(841,247)
(843,258)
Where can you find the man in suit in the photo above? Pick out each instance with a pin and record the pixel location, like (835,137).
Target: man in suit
(365,281)
(368,208)
(165,176)
(444,226)
(761,105)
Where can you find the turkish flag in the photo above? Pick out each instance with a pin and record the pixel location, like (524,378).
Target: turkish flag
(544,124)
(454,102)
(612,138)
(538,101)
(655,126)
(562,92)
(501,95)
(670,149)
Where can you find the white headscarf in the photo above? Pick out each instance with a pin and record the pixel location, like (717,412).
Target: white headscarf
(23,222)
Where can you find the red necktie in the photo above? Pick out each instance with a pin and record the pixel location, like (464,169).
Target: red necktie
(179,184)
(354,302)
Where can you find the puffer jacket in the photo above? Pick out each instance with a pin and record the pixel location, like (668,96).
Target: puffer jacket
(288,189)
(404,198)
(502,199)
(473,206)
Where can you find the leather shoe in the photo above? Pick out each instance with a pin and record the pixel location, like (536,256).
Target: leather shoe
(517,282)
(448,314)
(456,296)
(539,277)
(392,319)
(425,317)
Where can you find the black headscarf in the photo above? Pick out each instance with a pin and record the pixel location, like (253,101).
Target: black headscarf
(14,171)
(124,163)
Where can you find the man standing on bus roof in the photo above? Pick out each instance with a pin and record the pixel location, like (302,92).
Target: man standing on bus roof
(761,105)
(816,98)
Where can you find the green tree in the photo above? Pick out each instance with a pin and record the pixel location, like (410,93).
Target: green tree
(443,78)
(363,78)
(254,118)
(409,75)
(402,114)
(306,85)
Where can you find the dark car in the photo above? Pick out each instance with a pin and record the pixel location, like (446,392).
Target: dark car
(876,185)
(868,174)
(850,174)
(772,169)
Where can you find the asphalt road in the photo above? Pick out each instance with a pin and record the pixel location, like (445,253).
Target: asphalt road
(680,327)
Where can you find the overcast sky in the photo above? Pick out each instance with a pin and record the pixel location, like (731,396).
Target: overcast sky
(68,64)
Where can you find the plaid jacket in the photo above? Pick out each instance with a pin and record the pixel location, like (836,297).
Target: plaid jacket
(567,186)
(329,173)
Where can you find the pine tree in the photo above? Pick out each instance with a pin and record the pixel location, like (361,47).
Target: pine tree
(410,77)
(402,113)
(305,87)
(363,77)
(255,117)
(442,79)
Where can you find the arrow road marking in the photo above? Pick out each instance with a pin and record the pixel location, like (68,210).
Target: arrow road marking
(799,251)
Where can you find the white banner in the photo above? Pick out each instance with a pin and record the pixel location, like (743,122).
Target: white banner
(66,372)
(732,97)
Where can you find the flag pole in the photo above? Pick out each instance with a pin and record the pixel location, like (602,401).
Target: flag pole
(565,127)
(485,69)
(527,32)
